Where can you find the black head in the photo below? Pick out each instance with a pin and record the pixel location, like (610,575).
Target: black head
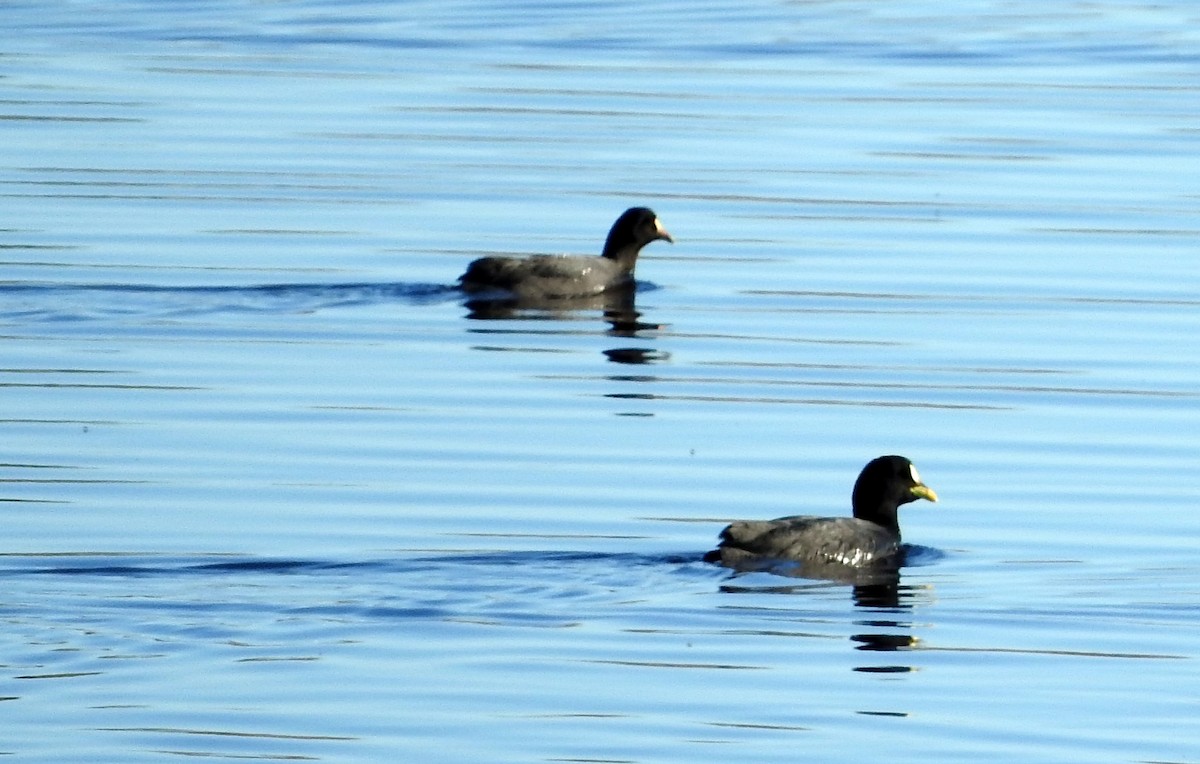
(883,485)
(637,227)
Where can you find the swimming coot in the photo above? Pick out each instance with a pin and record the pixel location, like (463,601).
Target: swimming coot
(830,546)
(557,276)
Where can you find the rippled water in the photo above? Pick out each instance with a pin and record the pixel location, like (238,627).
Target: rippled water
(272,490)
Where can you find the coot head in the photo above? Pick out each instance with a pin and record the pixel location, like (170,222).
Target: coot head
(883,485)
(634,229)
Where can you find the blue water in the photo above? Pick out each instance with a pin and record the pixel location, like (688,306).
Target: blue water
(270,490)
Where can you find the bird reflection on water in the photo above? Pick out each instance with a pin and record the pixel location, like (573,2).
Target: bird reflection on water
(617,307)
(879,593)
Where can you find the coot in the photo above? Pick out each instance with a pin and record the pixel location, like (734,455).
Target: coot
(559,276)
(829,547)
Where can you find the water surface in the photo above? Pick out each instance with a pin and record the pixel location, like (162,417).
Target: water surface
(272,490)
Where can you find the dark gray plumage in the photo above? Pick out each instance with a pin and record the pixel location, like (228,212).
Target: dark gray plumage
(829,547)
(559,276)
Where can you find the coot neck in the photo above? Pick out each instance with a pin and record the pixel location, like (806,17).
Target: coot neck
(625,255)
(883,513)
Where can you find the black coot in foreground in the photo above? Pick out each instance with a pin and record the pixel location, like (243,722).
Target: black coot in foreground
(541,277)
(831,547)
